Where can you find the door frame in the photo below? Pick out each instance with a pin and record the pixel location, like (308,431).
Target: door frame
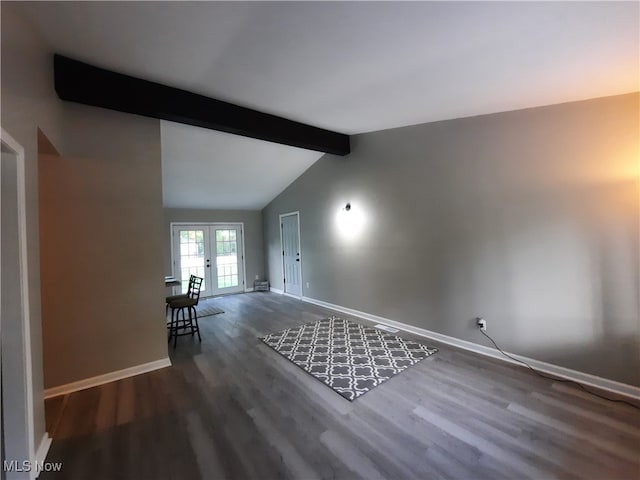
(209,224)
(24,392)
(284,286)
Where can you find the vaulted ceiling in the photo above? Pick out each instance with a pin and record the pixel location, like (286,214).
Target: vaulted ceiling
(351,67)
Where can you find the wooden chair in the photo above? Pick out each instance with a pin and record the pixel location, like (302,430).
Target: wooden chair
(184,317)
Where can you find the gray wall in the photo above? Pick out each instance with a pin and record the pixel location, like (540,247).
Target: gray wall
(29,102)
(528,218)
(253,241)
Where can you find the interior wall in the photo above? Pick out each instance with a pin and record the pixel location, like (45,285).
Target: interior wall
(101,246)
(29,102)
(528,218)
(253,240)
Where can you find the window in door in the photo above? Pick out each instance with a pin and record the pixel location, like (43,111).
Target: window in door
(212,252)
(192,259)
(226,258)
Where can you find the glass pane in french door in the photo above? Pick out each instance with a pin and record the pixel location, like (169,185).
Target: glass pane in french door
(192,256)
(226,257)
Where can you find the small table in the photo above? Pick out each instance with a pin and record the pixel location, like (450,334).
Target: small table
(171,281)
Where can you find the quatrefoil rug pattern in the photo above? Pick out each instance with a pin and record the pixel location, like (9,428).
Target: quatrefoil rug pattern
(349,357)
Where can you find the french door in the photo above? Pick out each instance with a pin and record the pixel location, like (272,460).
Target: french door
(213,252)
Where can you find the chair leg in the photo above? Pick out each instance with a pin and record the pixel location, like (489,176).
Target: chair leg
(179,321)
(177,326)
(195,319)
(191,321)
(171,326)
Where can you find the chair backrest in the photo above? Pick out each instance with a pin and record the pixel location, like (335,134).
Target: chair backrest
(195,283)
(191,277)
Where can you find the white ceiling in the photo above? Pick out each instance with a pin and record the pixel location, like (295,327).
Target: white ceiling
(352,67)
(206,169)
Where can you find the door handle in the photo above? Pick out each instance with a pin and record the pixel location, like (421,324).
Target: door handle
(297,259)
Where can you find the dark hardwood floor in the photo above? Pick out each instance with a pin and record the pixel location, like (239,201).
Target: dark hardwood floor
(231,407)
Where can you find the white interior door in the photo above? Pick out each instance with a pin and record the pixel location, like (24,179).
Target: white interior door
(291,260)
(213,252)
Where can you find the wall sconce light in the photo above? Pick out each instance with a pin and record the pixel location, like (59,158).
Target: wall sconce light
(350,221)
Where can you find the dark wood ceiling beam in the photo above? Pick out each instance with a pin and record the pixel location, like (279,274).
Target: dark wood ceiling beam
(82,83)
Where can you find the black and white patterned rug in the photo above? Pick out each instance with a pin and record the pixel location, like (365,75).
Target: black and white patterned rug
(349,357)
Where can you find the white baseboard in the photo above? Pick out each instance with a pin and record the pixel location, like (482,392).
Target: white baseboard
(562,372)
(106,378)
(247,290)
(297,297)
(41,453)
(282,292)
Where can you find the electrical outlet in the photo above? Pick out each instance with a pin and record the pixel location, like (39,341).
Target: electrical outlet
(257,277)
(481,323)
(307,284)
